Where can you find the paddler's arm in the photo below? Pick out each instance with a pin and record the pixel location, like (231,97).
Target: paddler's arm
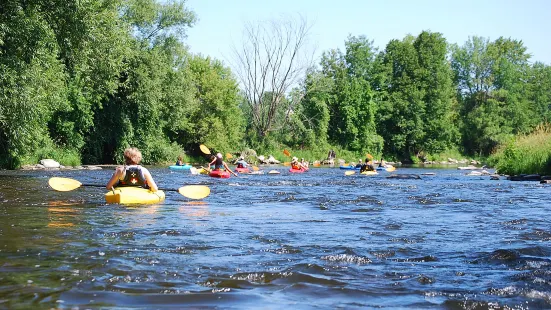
(114,178)
(228,169)
(150,182)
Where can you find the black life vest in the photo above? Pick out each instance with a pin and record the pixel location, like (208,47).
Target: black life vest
(133,177)
(219,163)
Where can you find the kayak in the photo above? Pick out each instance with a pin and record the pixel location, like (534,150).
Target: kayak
(389,168)
(349,168)
(301,170)
(184,167)
(129,195)
(369,172)
(219,174)
(243,170)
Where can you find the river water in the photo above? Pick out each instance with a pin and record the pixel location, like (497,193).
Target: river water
(318,240)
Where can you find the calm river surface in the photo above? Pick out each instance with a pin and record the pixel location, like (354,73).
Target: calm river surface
(318,240)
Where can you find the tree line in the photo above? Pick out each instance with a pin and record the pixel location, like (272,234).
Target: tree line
(82,80)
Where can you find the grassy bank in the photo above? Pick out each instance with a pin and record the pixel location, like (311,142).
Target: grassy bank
(525,154)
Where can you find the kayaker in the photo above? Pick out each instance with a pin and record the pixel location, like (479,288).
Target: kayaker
(179,161)
(368,166)
(219,164)
(295,164)
(241,163)
(359,164)
(131,173)
(304,163)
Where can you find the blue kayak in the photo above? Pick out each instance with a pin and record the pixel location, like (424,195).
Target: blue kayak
(349,168)
(184,167)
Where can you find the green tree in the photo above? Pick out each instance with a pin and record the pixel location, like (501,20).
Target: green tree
(495,103)
(417,111)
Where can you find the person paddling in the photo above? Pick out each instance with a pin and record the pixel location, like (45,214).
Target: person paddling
(131,173)
(368,166)
(241,163)
(179,161)
(295,164)
(219,164)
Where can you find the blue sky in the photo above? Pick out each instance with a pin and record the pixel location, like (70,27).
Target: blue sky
(220,23)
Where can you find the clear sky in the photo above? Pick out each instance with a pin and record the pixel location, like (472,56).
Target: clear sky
(220,22)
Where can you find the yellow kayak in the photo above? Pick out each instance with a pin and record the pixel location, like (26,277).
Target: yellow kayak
(129,195)
(369,172)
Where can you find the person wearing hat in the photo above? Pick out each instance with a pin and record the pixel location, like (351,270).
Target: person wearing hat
(295,164)
(241,163)
(220,164)
(304,163)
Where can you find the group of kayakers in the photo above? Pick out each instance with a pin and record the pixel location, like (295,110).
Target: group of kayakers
(133,174)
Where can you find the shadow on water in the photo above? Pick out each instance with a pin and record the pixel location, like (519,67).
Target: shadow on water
(445,240)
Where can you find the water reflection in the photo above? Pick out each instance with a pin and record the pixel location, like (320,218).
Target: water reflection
(194,209)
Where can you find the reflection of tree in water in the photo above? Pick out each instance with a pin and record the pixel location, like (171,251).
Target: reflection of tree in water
(142,216)
(195,209)
(60,213)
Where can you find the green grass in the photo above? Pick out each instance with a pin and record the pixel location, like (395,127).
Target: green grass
(525,154)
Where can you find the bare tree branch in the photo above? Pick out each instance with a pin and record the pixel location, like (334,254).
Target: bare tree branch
(272,59)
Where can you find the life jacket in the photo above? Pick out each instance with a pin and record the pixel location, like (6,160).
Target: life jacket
(133,176)
(295,165)
(240,165)
(367,167)
(219,163)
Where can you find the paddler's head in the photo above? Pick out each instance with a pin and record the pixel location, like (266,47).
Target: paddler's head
(132,156)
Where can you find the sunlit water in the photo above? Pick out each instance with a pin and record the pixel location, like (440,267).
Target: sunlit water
(316,240)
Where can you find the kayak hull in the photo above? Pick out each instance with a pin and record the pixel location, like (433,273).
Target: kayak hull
(349,168)
(131,195)
(369,173)
(223,174)
(297,170)
(184,167)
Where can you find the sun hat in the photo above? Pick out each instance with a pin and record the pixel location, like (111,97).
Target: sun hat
(219,155)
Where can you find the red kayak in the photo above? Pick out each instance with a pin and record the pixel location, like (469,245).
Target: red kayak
(301,170)
(243,170)
(219,174)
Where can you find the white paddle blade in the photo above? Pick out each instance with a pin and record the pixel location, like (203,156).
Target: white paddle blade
(63,184)
(194,191)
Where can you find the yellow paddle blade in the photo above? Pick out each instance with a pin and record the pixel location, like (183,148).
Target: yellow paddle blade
(204,149)
(317,164)
(286,163)
(229,156)
(194,191)
(349,172)
(255,168)
(286,153)
(63,184)
(391,168)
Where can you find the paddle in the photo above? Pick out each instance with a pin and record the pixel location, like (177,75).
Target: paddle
(189,191)
(204,149)
(229,156)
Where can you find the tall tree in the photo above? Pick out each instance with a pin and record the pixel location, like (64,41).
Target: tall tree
(416,115)
(495,104)
(272,59)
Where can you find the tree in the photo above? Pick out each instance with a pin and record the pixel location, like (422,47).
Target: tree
(495,102)
(416,116)
(272,59)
